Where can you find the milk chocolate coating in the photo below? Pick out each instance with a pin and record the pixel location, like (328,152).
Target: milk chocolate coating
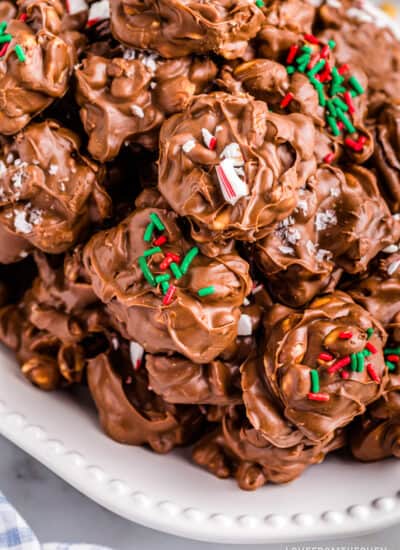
(366,45)
(8,10)
(28,87)
(277,159)
(285,23)
(57,326)
(175,28)
(130,412)
(340,222)
(128,99)
(387,155)
(50,193)
(275,390)
(236,449)
(197,327)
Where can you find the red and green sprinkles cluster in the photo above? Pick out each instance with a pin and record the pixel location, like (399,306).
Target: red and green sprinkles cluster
(6,38)
(170,261)
(392,358)
(312,59)
(356,362)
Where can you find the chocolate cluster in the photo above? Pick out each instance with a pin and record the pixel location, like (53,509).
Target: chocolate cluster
(200,223)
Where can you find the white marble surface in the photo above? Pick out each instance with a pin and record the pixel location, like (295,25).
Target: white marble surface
(57,512)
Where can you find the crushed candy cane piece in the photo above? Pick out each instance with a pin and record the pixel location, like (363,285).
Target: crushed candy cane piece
(98,11)
(136,352)
(232,151)
(76,6)
(210,141)
(232,186)
(245,327)
(188,145)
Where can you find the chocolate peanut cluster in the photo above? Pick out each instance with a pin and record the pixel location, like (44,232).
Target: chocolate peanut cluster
(200,223)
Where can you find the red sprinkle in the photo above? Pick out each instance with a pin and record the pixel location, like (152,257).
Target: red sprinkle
(362,140)
(318,396)
(349,102)
(340,125)
(137,364)
(393,358)
(169,295)
(329,158)
(326,73)
(292,53)
(345,335)
(371,371)
(339,365)
(356,146)
(23,17)
(324,356)
(311,38)
(175,257)
(345,374)
(325,51)
(160,240)
(4,49)
(167,261)
(343,69)
(213,143)
(370,347)
(286,100)
(92,22)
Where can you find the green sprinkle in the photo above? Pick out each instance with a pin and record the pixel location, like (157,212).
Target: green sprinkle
(355,84)
(332,44)
(290,69)
(360,361)
(3,26)
(318,67)
(206,291)
(157,222)
(333,125)
(163,278)
(337,89)
(151,251)
(366,352)
(390,351)
(370,332)
(146,271)
(303,61)
(332,108)
(353,93)
(339,103)
(149,232)
(391,366)
(316,83)
(5,38)
(164,287)
(336,77)
(306,49)
(188,259)
(346,121)
(315,386)
(260,3)
(321,97)
(176,270)
(353,364)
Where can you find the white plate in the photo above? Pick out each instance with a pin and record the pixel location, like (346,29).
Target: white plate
(169,493)
(336,499)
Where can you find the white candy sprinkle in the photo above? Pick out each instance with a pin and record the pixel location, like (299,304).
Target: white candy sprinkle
(334,192)
(149,60)
(324,219)
(286,250)
(231,185)
(21,224)
(62,186)
(23,254)
(391,249)
(233,152)
(303,206)
(245,327)
(138,111)
(35,216)
(129,54)
(396,217)
(393,267)
(76,6)
(114,342)
(53,169)
(189,145)
(246,302)
(99,10)
(9,158)
(136,352)
(334,3)
(310,247)
(16,179)
(219,128)
(323,255)
(3,169)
